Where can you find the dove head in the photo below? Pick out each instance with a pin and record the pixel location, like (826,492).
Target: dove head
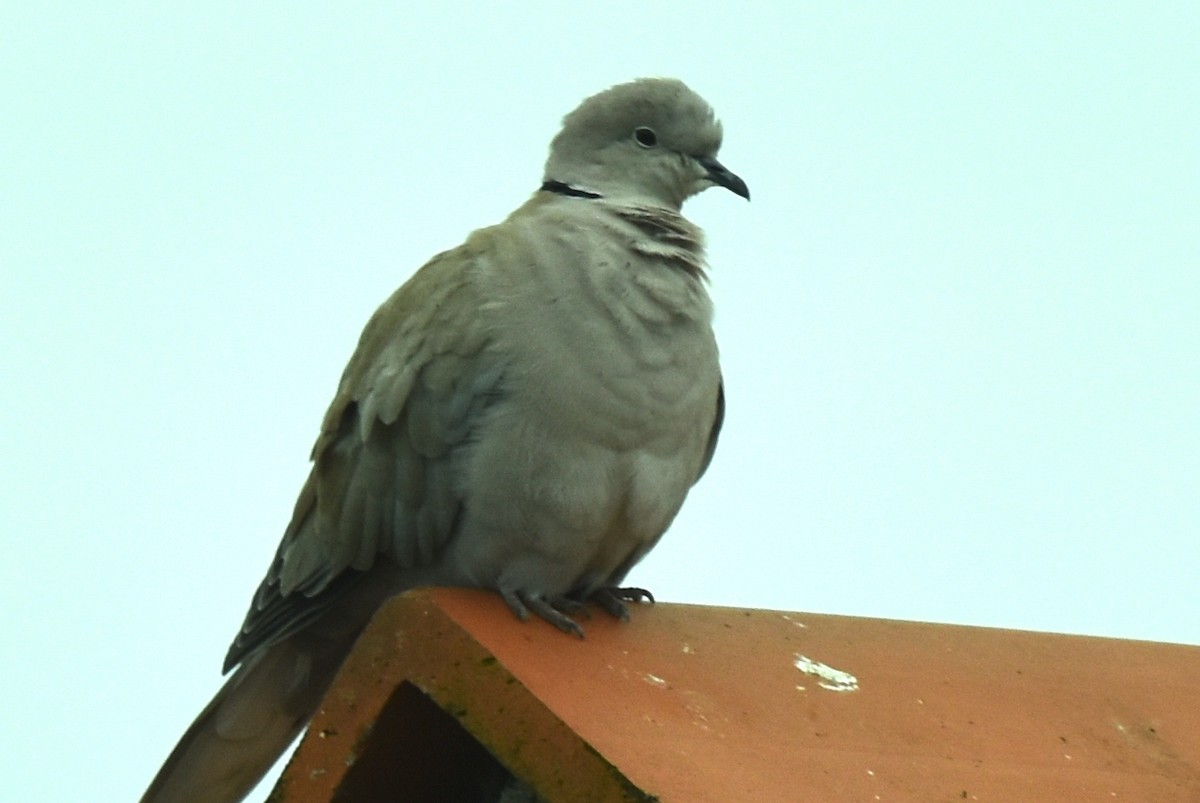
(651,141)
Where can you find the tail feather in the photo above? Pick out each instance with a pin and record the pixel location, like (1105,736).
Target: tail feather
(261,708)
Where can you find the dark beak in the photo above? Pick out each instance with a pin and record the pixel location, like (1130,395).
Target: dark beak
(719,175)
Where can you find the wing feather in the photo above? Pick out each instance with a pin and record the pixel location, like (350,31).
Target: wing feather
(383,476)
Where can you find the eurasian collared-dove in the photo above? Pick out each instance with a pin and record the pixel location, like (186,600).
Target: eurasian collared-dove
(525,414)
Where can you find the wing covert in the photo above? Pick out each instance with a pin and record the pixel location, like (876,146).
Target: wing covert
(384,463)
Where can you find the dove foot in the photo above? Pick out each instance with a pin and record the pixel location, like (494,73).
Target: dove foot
(556,610)
(612,600)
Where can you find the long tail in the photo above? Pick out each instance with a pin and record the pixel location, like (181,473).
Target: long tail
(247,726)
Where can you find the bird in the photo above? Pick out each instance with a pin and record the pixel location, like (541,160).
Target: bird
(525,414)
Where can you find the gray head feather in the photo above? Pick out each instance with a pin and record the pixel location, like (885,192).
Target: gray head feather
(653,141)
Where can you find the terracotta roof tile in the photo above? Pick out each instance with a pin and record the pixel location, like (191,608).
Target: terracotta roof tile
(694,703)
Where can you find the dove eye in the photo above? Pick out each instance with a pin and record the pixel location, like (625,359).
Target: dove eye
(645,137)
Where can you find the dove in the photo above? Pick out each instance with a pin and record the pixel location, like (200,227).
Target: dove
(525,414)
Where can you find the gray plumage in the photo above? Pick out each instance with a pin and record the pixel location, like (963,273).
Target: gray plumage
(526,414)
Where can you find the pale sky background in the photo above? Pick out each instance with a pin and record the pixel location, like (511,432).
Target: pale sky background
(958,321)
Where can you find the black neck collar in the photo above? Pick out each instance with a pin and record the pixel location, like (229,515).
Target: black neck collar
(566,189)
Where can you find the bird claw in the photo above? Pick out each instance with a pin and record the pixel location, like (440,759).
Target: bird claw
(556,610)
(612,600)
(559,610)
